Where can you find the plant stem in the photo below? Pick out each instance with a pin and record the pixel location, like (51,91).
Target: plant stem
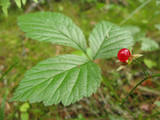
(153,76)
(8,70)
(156,75)
(143,69)
(135,11)
(111,88)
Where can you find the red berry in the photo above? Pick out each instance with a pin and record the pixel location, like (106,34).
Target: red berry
(124,54)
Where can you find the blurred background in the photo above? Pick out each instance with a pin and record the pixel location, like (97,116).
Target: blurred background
(19,53)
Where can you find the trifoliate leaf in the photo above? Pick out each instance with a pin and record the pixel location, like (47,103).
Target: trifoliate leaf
(53,27)
(66,79)
(149,45)
(107,39)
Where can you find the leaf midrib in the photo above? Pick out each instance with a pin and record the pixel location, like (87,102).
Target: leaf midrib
(57,29)
(54,76)
(102,42)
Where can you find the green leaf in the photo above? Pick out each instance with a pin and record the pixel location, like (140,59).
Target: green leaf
(149,45)
(24,107)
(132,29)
(35,1)
(80,117)
(157,26)
(53,27)
(140,36)
(5,5)
(80,53)
(18,3)
(24,2)
(107,39)
(157,103)
(157,3)
(66,79)
(149,63)
(24,116)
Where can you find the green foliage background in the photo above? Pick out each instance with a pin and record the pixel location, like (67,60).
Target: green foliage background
(14,46)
